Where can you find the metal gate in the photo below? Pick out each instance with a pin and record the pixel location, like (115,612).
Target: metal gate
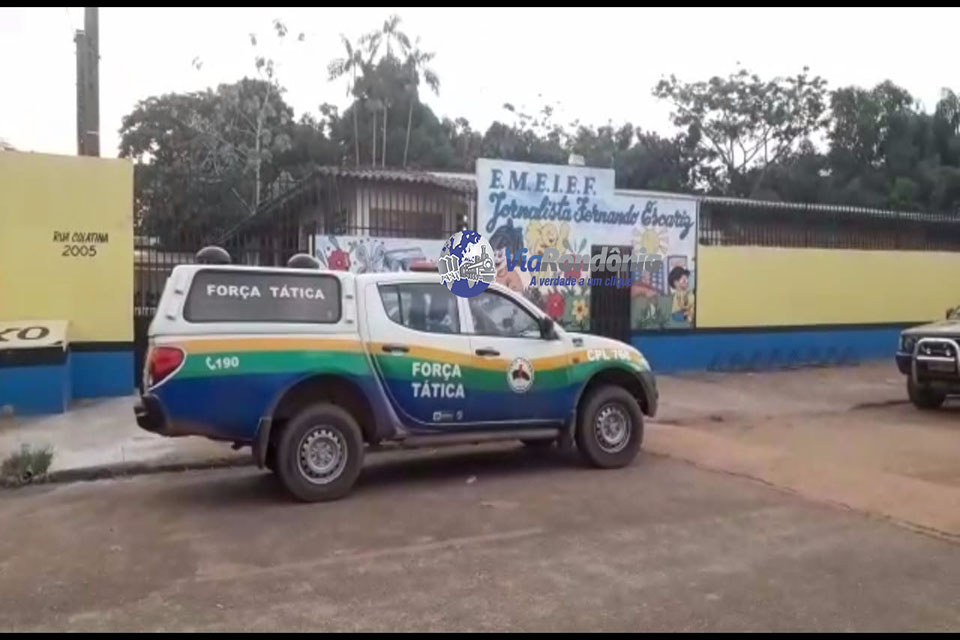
(609,303)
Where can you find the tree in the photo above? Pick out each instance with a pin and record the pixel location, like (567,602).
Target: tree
(381,95)
(860,126)
(197,168)
(600,146)
(465,142)
(655,163)
(429,145)
(742,122)
(416,65)
(948,108)
(251,117)
(885,151)
(344,66)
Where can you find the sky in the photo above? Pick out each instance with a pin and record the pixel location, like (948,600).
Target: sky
(595,65)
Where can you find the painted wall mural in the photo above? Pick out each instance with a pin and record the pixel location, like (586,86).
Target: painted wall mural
(366,254)
(574,210)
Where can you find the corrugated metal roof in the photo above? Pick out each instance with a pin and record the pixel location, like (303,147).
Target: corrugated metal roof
(449,181)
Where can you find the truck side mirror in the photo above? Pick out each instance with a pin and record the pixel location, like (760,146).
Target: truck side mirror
(547,331)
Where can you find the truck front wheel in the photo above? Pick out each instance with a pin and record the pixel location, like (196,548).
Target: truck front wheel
(319,453)
(609,427)
(923,397)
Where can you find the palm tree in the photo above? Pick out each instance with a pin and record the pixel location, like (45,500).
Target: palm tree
(339,67)
(370,90)
(415,65)
(389,33)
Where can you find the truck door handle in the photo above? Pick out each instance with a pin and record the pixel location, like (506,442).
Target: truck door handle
(487,351)
(395,348)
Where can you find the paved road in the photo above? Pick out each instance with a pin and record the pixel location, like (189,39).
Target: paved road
(533,543)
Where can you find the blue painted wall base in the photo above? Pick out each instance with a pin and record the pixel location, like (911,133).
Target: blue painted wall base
(36,389)
(98,374)
(766,349)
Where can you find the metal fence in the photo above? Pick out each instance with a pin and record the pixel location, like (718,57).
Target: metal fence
(728,221)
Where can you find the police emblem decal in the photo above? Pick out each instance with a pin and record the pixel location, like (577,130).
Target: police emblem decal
(520,375)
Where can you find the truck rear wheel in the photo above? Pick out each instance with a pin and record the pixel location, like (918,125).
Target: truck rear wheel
(319,454)
(609,427)
(923,397)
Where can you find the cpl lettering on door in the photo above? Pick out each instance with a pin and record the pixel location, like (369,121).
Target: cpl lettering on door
(30,334)
(608,354)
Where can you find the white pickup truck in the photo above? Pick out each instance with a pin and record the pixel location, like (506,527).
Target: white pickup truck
(310,368)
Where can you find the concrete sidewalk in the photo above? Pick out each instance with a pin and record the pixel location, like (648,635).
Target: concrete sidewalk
(103,435)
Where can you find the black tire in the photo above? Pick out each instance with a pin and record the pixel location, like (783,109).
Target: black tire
(923,397)
(609,452)
(270,459)
(339,445)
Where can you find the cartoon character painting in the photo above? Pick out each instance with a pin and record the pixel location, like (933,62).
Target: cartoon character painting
(683,300)
(507,238)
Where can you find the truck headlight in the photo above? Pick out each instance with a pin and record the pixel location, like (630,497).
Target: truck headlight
(643,362)
(907,343)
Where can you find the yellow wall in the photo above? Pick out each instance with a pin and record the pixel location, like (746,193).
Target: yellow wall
(43,196)
(760,286)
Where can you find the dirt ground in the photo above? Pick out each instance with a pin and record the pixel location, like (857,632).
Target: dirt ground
(498,538)
(846,436)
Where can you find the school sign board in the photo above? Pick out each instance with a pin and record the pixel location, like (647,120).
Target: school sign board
(572,209)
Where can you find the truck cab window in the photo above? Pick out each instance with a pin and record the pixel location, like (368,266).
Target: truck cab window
(497,315)
(424,307)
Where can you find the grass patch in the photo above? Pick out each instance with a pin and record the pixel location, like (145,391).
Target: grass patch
(26,465)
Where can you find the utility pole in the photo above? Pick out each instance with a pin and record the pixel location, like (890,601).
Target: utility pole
(88,84)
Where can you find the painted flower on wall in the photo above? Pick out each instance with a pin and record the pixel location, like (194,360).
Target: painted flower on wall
(573,272)
(546,235)
(339,260)
(368,256)
(555,305)
(581,310)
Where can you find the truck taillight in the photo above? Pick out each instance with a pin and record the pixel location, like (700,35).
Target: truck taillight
(163,361)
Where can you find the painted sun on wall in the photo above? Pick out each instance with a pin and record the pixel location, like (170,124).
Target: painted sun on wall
(663,298)
(574,210)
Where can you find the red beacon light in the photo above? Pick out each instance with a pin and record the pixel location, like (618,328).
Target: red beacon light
(424,266)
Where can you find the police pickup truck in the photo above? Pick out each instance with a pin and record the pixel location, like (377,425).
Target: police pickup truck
(929,356)
(311,368)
